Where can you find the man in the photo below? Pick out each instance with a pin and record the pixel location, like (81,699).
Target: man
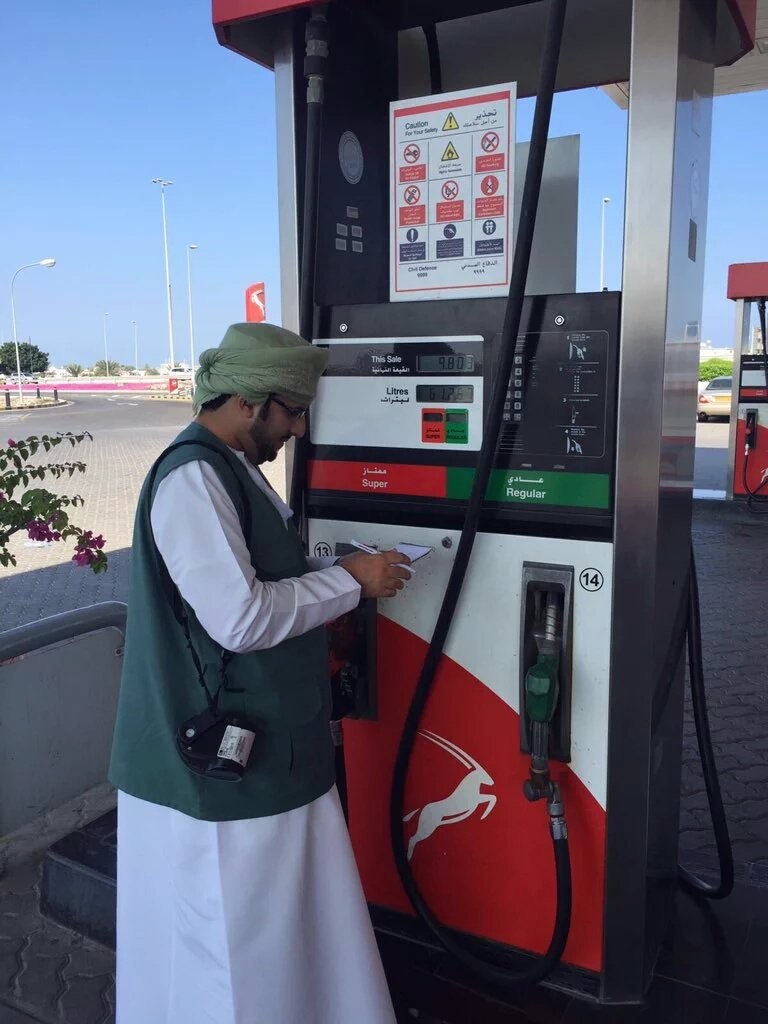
(238,901)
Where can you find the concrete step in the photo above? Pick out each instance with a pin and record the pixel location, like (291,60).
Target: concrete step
(79,883)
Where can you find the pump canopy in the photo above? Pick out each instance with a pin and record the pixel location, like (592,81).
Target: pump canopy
(249,26)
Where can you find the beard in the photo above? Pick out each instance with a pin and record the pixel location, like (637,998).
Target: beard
(265,447)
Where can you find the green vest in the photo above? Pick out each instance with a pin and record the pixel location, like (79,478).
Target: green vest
(285,688)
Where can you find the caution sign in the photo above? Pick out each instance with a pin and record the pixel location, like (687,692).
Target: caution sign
(451,231)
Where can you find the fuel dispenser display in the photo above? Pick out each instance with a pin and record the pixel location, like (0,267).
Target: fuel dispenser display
(400,414)
(511,758)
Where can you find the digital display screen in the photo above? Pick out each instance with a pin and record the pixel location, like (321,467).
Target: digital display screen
(451,363)
(445,392)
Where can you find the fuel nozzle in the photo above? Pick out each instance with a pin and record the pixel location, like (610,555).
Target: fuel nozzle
(541,680)
(541,695)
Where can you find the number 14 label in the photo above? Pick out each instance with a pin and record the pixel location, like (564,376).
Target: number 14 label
(591,580)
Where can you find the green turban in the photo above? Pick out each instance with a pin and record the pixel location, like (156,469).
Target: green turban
(258,360)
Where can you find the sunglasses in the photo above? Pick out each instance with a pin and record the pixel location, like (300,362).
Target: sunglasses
(295,412)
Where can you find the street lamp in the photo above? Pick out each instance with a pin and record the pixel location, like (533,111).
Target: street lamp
(48,262)
(106,349)
(191,325)
(135,346)
(163,185)
(605,202)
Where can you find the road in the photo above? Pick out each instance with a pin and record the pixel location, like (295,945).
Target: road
(128,434)
(711,455)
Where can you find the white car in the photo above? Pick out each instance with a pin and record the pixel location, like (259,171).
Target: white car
(715,399)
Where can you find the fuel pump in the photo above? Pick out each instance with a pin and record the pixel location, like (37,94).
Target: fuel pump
(512,721)
(748,454)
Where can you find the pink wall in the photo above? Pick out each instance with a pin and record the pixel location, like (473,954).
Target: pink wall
(94,385)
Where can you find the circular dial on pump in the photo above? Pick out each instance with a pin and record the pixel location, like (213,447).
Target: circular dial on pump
(351,157)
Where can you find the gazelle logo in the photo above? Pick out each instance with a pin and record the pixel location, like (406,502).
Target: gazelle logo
(457,806)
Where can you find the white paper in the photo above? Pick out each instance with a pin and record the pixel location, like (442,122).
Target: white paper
(413,551)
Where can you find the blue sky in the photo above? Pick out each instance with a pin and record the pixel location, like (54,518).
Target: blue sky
(102,97)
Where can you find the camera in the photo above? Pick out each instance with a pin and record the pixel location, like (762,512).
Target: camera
(216,746)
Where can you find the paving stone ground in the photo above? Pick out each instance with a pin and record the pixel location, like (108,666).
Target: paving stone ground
(47,973)
(732,560)
(51,976)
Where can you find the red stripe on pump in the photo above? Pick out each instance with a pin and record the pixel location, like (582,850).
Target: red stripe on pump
(482,854)
(377,478)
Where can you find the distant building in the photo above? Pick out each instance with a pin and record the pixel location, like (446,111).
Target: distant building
(708,351)
(177,370)
(757,341)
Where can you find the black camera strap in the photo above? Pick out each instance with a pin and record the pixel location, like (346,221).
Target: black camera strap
(171,591)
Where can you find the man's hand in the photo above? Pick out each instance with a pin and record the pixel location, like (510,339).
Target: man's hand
(379,575)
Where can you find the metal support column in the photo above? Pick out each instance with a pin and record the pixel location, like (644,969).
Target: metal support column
(671,85)
(288,199)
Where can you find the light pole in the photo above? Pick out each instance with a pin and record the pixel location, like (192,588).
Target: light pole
(605,202)
(135,346)
(163,185)
(191,325)
(48,262)
(106,348)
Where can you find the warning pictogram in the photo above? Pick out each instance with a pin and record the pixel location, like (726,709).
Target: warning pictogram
(411,153)
(451,124)
(450,190)
(490,142)
(490,185)
(450,152)
(412,194)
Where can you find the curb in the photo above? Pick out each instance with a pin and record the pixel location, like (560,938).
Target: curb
(36,408)
(167,398)
(722,508)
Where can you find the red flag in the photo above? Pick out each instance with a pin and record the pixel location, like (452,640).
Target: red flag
(255,303)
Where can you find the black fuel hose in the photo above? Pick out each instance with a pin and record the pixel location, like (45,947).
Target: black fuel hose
(490,973)
(315,72)
(757,502)
(691,883)
(686,631)
(433,53)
